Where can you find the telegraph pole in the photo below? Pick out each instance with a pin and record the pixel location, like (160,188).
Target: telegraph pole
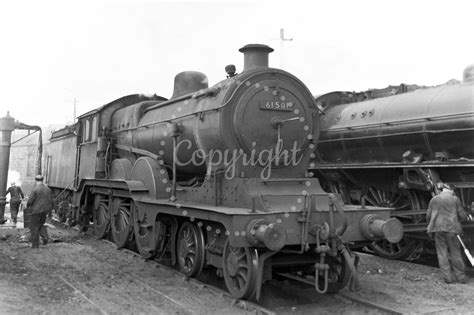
(74,117)
(74,104)
(282,44)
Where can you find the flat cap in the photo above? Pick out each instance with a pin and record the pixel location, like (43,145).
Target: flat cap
(447,186)
(39,178)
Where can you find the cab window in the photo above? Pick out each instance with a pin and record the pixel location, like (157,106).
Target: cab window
(94,129)
(90,127)
(87,131)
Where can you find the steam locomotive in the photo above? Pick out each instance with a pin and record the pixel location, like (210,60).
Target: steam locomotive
(396,151)
(215,177)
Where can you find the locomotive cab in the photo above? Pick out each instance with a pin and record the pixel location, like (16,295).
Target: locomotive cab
(88,146)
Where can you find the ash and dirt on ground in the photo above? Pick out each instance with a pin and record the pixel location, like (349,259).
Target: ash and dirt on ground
(412,288)
(75,273)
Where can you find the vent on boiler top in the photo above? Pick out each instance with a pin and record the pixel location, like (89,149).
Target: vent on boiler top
(188,82)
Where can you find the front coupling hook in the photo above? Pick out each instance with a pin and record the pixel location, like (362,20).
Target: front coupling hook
(323,268)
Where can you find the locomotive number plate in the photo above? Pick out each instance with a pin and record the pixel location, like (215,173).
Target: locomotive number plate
(277,105)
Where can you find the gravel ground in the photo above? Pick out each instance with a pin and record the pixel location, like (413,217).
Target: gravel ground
(76,274)
(412,288)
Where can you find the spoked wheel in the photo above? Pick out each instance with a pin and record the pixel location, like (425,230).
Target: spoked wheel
(407,248)
(121,222)
(339,273)
(191,249)
(147,233)
(102,219)
(240,271)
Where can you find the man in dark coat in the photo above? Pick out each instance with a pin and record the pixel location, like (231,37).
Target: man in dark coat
(445,212)
(16,195)
(39,204)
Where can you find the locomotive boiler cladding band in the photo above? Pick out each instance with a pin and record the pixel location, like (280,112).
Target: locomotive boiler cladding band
(445,212)
(16,195)
(39,204)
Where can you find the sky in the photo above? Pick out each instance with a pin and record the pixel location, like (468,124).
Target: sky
(55,52)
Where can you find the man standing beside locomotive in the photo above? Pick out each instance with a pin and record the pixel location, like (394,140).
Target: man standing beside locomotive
(39,204)
(445,212)
(16,195)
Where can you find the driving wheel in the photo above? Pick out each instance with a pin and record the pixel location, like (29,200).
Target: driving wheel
(406,248)
(101,218)
(191,250)
(121,222)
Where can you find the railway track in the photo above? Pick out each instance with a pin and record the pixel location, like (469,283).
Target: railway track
(369,304)
(255,307)
(244,305)
(347,296)
(82,294)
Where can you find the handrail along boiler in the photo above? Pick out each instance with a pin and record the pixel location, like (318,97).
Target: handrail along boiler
(215,176)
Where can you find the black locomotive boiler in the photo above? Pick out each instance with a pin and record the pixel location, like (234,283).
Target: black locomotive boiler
(214,177)
(396,151)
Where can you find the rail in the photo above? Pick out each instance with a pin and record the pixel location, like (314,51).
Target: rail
(344,295)
(250,306)
(247,305)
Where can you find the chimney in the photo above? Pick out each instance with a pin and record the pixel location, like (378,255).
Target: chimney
(255,55)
